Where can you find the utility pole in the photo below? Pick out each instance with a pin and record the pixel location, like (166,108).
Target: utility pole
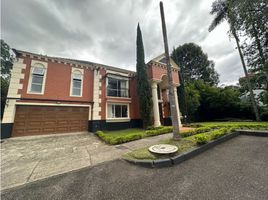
(173,108)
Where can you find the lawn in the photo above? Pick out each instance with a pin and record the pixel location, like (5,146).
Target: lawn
(127,135)
(122,136)
(204,133)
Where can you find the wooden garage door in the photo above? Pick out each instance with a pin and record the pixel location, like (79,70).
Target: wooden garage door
(38,120)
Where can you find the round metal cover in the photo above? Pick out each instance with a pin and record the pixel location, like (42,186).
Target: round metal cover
(163,149)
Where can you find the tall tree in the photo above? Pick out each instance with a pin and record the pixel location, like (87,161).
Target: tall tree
(194,64)
(252,24)
(7,60)
(224,11)
(145,97)
(173,108)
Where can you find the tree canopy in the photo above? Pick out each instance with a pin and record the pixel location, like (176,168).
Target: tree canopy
(194,64)
(143,86)
(6,66)
(206,102)
(6,59)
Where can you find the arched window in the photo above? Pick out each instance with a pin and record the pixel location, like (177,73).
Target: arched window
(37,79)
(77,78)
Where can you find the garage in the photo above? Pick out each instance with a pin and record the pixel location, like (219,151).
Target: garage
(40,120)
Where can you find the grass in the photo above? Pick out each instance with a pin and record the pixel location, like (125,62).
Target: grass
(127,135)
(122,136)
(205,132)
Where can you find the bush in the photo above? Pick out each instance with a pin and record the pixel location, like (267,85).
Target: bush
(219,133)
(264,116)
(154,128)
(196,131)
(159,131)
(112,139)
(201,139)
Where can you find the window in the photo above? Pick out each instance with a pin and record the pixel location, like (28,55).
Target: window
(117,111)
(76,83)
(37,79)
(117,87)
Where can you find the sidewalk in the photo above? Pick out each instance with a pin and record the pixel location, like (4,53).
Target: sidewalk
(27,159)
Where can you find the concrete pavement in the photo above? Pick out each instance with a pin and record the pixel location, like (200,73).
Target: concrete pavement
(31,158)
(236,169)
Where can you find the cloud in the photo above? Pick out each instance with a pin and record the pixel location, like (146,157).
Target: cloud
(105,31)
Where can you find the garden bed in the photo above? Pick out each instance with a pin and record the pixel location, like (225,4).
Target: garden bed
(127,135)
(205,133)
(122,136)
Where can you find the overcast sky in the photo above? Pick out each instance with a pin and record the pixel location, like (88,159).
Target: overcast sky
(104,31)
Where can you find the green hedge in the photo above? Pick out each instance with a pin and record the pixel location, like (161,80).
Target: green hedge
(119,139)
(112,139)
(201,139)
(213,130)
(159,131)
(196,131)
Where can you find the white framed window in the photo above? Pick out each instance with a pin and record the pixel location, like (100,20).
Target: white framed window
(37,78)
(117,111)
(117,87)
(76,83)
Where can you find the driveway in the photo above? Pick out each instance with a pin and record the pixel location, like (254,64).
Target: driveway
(236,169)
(26,159)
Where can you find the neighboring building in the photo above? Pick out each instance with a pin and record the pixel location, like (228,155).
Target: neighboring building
(50,95)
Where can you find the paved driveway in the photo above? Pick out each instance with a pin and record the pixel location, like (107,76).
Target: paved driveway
(31,158)
(236,169)
(27,159)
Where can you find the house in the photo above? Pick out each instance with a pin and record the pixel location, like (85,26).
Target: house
(51,95)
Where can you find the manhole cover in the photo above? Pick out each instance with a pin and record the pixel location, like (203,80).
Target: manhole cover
(163,148)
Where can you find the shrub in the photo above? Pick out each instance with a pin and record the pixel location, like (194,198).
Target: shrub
(112,139)
(264,116)
(219,133)
(154,128)
(201,139)
(159,131)
(196,131)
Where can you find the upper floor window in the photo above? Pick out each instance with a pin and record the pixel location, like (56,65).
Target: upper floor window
(117,87)
(77,79)
(37,79)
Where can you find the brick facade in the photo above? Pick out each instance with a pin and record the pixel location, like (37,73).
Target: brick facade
(57,90)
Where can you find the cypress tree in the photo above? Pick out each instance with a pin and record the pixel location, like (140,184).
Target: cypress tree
(143,84)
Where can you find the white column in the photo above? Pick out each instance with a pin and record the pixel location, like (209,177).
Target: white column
(96,95)
(155,105)
(177,106)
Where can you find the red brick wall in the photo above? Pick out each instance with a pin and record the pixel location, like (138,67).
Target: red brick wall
(58,82)
(156,71)
(133,100)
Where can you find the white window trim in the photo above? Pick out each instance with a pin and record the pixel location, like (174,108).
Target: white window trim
(34,63)
(82,81)
(121,119)
(118,78)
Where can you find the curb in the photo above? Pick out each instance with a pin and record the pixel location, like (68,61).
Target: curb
(260,133)
(168,162)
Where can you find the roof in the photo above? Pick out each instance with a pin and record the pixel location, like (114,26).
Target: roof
(75,61)
(162,60)
(159,59)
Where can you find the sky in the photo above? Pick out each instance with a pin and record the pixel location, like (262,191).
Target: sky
(104,31)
